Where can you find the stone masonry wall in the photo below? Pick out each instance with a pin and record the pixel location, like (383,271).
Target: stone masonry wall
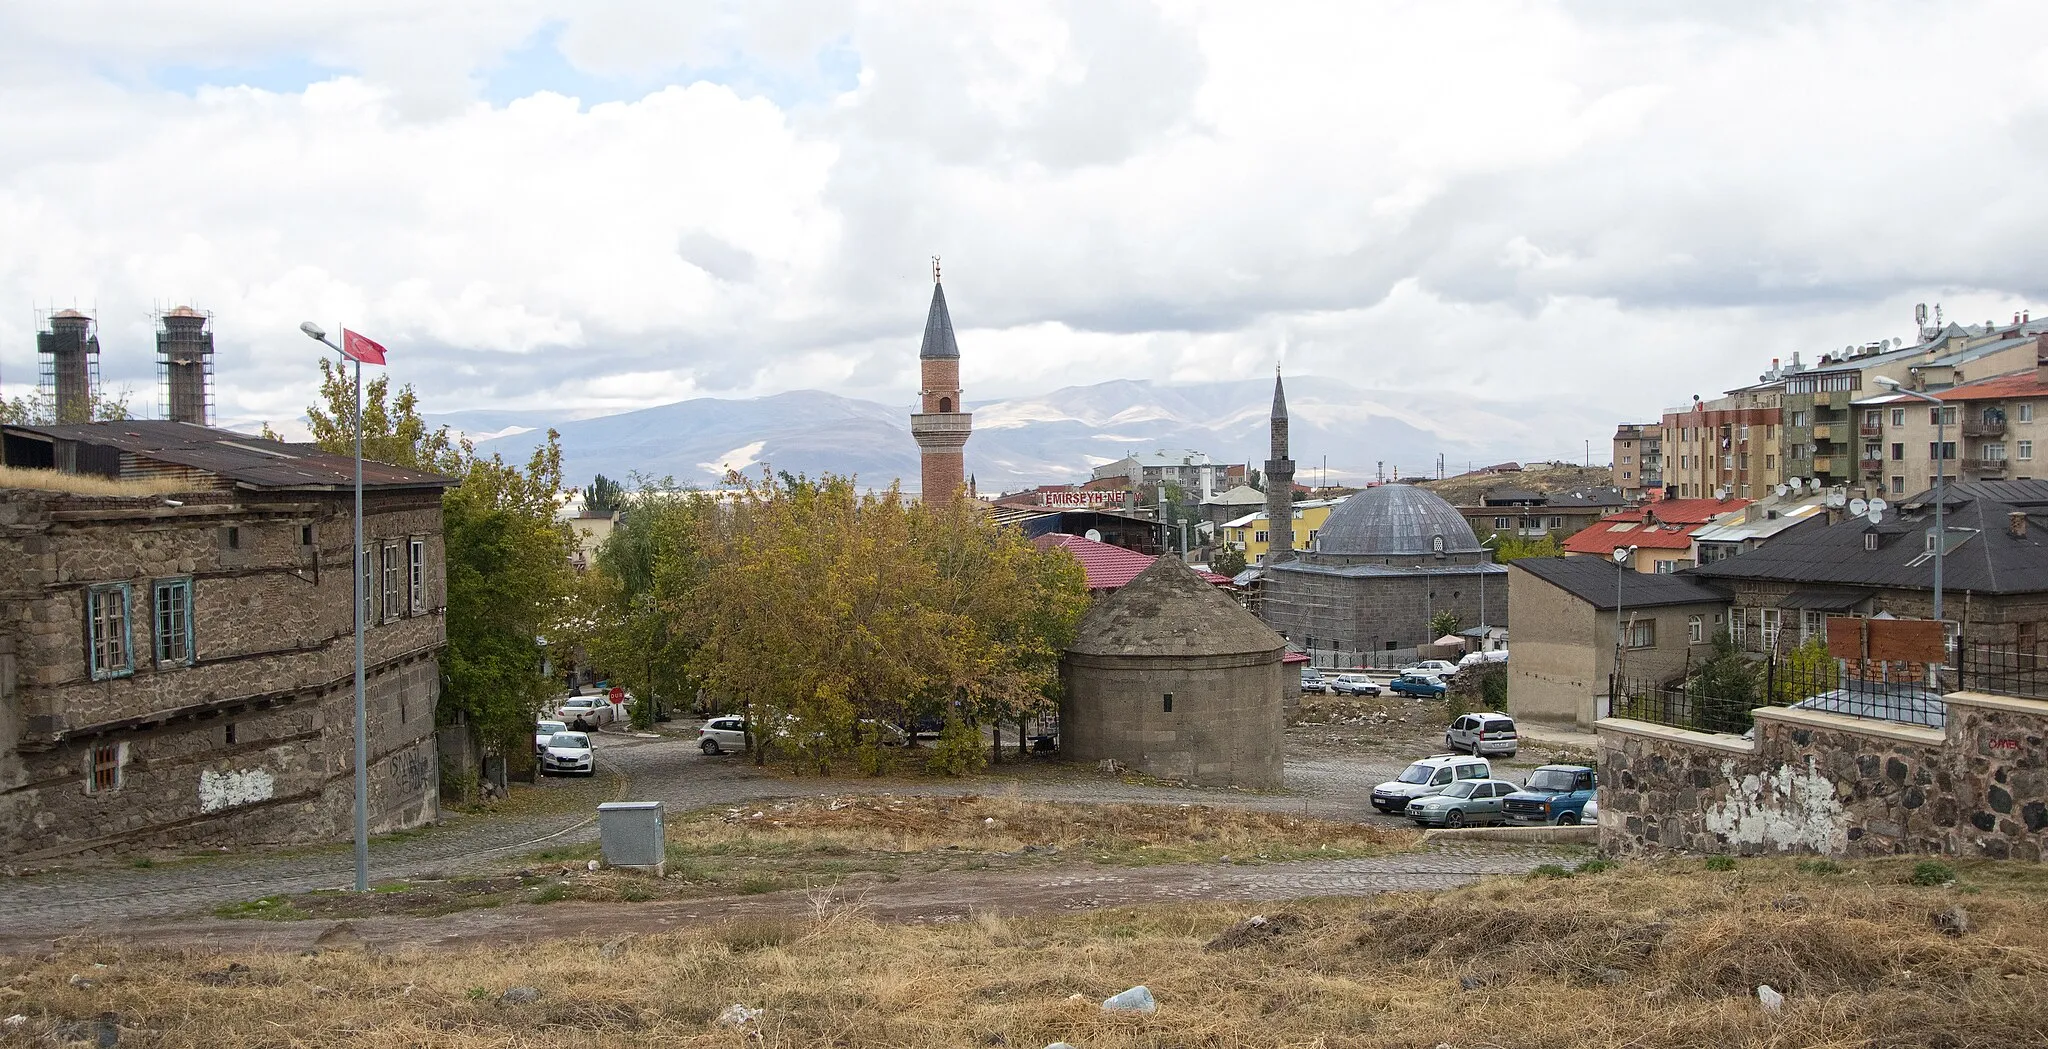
(1224,728)
(1831,784)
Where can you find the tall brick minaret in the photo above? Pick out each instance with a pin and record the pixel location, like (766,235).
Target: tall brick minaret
(941,428)
(1279,484)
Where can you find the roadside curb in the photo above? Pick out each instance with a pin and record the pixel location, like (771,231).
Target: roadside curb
(1582,835)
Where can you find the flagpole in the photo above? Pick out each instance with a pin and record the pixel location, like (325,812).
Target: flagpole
(362,719)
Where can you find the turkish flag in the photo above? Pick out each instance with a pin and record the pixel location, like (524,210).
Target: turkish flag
(357,348)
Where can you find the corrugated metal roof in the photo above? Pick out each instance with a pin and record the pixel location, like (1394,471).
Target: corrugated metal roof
(1593,580)
(233,456)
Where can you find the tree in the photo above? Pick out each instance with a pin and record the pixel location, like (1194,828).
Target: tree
(1804,672)
(1444,621)
(1228,560)
(604,496)
(507,557)
(1510,547)
(39,408)
(1724,686)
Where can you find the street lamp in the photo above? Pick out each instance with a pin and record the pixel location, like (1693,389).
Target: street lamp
(1482,589)
(1940,495)
(1622,556)
(318,334)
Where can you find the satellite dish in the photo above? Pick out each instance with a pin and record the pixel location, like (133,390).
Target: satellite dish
(1836,499)
(1782,490)
(1093,535)
(1878,506)
(1858,507)
(1623,553)
(1876,516)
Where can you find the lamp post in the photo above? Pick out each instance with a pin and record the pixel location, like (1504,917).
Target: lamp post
(1622,556)
(1940,496)
(318,334)
(1483,564)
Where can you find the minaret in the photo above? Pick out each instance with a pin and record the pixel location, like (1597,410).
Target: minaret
(941,428)
(1279,484)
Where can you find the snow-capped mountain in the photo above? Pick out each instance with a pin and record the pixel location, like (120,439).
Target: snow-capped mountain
(1055,437)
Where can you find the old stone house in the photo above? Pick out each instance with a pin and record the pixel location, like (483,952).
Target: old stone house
(176,639)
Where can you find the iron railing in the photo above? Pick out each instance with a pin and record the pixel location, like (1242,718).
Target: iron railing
(1720,698)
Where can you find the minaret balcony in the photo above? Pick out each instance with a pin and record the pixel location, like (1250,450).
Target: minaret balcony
(941,429)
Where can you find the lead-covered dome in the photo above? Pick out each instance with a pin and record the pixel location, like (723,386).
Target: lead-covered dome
(1396,520)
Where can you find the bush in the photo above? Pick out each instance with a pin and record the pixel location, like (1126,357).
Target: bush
(958,751)
(1932,872)
(1720,863)
(1493,687)
(1551,870)
(1597,866)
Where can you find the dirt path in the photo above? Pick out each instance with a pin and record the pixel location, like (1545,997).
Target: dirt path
(940,897)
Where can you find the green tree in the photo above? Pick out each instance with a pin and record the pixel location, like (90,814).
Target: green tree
(39,408)
(1443,622)
(1227,560)
(1510,547)
(1724,686)
(604,496)
(507,558)
(1804,672)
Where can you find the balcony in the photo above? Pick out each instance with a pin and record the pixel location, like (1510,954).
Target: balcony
(1824,431)
(1873,468)
(1870,430)
(1983,466)
(1992,427)
(1823,464)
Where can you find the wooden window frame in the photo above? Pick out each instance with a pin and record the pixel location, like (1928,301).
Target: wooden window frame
(98,646)
(172,624)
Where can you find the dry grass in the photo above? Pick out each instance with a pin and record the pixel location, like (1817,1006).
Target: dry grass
(815,842)
(1658,957)
(87,484)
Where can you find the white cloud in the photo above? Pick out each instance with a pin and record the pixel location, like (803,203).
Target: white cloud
(1607,206)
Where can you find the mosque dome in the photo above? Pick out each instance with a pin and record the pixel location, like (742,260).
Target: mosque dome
(1396,520)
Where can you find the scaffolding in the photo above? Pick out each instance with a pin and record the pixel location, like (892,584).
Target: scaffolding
(69,352)
(184,364)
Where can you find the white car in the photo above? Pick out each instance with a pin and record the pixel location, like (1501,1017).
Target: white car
(1483,734)
(1427,777)
(1355,685)
(569,752)
(584,712)
(721,734)
(544,731)
(1436,668)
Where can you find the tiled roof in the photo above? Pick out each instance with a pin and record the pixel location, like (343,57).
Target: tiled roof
(1999,387)
(1593,581)
(1109,567)
(1602,537)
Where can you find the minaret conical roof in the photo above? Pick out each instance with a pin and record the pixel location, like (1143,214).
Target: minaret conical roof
(938,328)
(1279,397)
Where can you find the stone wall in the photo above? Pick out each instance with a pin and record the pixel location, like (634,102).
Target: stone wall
(1340,619)
(1831,784)
(1224,729)
(251,741)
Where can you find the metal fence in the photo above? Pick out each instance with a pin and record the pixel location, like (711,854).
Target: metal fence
(2002,670)
(1720,698)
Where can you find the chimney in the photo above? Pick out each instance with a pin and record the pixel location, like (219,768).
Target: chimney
(184,364)
(2016,524)
(74,364)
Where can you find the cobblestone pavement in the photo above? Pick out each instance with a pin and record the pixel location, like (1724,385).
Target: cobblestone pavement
(663,769)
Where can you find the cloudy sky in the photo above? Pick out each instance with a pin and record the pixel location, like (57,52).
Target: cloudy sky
(604,204)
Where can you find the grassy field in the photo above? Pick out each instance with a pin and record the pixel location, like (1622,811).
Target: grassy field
(1651,956)
(810,842)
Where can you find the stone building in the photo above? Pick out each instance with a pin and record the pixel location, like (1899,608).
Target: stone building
(176,640)
(1170,677)
(1279,483)
(1386,561)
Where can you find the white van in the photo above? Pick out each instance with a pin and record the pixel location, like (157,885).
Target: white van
(1427,776)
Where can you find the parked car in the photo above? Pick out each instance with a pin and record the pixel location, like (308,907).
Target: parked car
(1427,776)
(1312,680)
(721,734)
(1590,815)
(584,712)
(568,752)
(1432,668)
(544,731)
(1417,685)
(1475,659)
(1483,734)
(1554,794)
(1461,802)
(1355,685)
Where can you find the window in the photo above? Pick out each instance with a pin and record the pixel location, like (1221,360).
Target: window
(1770,462)
(1643,635)
(1874,417)
(305,535)
(1992,452)
(1941,416)
(1695,629)
(1812,624)
(1799,418)
(1870,540)
(1259,536)
(1898,451)
(227,734)
(1626,474)
(173,603)
(1898,417)
(1503,522)
(234,538)
(1666,567)
(2026,412)
(366,587)
(1167,706)
(1436,543)
(394,597)
(1557,522)
(1771,623)
(1737,622)
(104,767)
(2025,450)
(1941,450)
(106,624)
(416,573)
(1898,485)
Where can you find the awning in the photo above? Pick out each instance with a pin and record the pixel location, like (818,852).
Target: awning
(1821,600)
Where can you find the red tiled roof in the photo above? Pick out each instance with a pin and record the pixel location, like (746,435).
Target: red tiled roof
(1108,567)
(1998,387)
(1604,536)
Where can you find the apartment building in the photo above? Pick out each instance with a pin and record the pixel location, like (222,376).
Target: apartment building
(1728,445)
(1638,459)
(1990,429)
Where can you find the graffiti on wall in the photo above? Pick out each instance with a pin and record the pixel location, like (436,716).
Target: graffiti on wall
(225,790)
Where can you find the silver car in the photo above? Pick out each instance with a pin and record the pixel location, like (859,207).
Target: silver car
(1484,734)
(1465,801)
(569,752)
(721,734)
(544,731)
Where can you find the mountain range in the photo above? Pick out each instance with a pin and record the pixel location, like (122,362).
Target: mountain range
(1050,438)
